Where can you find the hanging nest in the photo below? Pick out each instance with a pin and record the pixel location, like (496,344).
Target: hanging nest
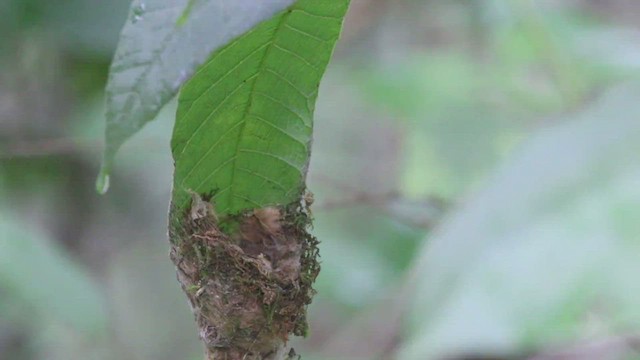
(248,277)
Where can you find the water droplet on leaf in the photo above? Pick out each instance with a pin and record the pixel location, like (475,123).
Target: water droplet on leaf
(139,9)
(102,183)
(137,13)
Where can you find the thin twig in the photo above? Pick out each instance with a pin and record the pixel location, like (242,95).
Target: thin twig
(613,347)
(357,199)
(45,147)
(63,147)
(383,202)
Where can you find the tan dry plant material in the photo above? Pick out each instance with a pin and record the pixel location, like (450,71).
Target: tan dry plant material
(248,277)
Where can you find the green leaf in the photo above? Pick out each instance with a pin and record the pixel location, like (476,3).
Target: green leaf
(548,247)
(244,121)
(162,43)
(34,270)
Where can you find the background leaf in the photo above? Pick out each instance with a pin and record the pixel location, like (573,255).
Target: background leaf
(244,122)
(34,270)
(544,252)
(162,43)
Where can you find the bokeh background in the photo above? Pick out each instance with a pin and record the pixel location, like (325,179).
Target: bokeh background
(476,170)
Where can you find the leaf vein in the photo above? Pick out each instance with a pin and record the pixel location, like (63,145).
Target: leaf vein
(266,178)
(226,162)
(213,146)
(284,106)
(302,11)
(283,78)
(279,129)
(261,67)
(293,53)
(214,112)
(273,156)
(307,34)
(224,76)
(247,199)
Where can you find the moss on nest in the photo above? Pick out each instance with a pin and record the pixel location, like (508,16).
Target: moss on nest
(248,277)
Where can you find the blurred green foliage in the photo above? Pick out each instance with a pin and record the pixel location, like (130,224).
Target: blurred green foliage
(471,167)
(541,256)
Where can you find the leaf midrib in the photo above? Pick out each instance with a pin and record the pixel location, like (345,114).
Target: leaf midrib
(151,62)
(252,91)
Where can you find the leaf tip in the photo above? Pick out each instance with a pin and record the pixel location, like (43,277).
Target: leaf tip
(102,182)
